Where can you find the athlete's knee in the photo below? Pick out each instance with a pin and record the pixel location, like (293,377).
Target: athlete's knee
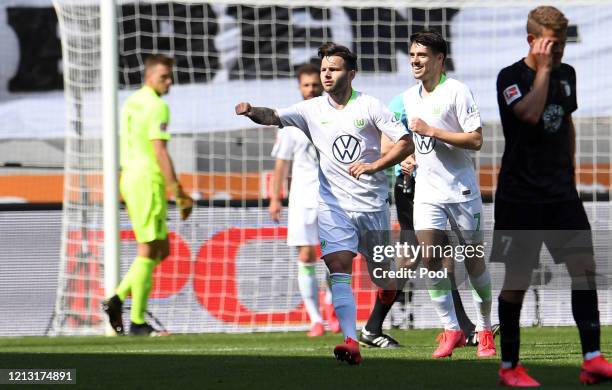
(582,270)
(431,253)
(164,249)
(146,249)
(307,254)
(580,264)
(433,263)
(159,249)
(449,264)
(387,297)
(517,278)
(340,262)
(475,266)
(512,296)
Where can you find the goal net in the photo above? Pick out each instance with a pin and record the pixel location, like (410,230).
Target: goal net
(230,268)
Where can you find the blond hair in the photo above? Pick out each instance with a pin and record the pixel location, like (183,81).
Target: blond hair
(546,17)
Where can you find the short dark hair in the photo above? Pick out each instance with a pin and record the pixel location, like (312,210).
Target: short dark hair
(307,69)
(157,59)
(432,40)
(332,49)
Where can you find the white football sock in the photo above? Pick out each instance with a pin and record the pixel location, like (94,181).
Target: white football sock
(442,299)
(481,294)
(344,304)
(591,355)
(309,289)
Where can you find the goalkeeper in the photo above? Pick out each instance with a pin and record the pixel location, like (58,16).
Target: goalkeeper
(147,174)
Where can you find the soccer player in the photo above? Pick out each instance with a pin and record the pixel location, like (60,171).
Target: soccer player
(536,191)
(303,233)
(146,173)
(446,124)
(372,334)
(345,127)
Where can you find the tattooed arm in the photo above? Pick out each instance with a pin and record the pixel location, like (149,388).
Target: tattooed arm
(261,115)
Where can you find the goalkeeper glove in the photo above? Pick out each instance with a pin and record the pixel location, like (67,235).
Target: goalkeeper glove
(183,201)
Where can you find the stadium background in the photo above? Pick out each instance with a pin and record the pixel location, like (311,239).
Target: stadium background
(230,269)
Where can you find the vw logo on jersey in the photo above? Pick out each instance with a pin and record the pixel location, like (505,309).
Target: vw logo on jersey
(552,118)
(346,149)
(424,144)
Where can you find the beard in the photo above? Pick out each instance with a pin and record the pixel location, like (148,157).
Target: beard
(339,86)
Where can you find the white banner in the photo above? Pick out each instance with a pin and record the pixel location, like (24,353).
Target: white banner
(482,41)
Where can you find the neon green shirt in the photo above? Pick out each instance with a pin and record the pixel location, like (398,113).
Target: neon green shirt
(144,117)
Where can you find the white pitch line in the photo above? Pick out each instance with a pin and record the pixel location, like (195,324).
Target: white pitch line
(206,350)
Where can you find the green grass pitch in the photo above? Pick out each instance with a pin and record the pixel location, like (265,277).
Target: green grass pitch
(289,361)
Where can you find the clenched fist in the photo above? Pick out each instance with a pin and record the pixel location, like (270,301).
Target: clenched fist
(420,127)
(408,165)
(243,108)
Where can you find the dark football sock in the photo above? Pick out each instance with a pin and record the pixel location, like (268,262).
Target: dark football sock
(380,311)
(586,315)
(510,336)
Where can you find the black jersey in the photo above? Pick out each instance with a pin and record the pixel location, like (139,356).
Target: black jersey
(537,162)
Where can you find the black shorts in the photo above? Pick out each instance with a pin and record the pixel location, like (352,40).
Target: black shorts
(522,228)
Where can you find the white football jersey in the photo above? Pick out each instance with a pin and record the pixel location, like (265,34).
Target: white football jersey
(445,173)
(292,144)
(341,138)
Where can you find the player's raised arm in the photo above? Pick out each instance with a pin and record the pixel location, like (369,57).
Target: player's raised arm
(530,108)
(261,115)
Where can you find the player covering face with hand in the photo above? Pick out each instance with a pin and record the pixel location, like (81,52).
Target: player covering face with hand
(536,200)
(345,127)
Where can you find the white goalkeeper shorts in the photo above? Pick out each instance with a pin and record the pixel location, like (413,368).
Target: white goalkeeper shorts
(302,227)
(464,218)
(358,232)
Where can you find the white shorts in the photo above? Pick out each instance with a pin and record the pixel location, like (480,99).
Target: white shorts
(353,231)
(464,218)
(302,227)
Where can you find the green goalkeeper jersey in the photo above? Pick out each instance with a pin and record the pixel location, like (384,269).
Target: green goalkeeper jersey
(144,118)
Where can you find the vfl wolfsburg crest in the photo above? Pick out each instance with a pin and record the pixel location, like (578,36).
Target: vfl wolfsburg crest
(360,123)
(436,111)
